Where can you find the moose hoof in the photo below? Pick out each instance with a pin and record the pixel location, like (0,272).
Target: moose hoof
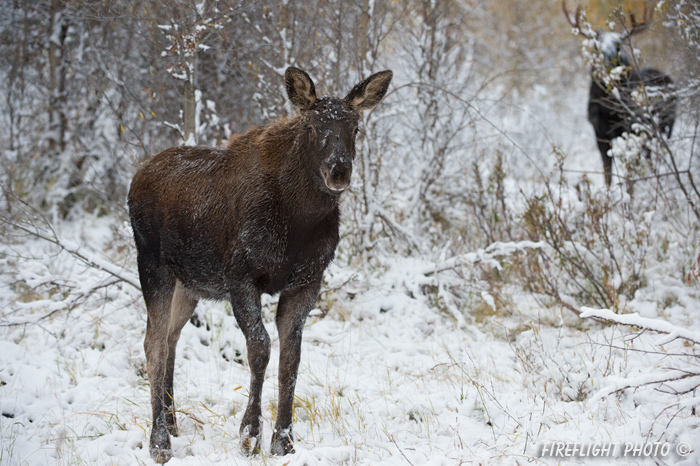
(250,444)
(282,443)
(161,455)
(160,448)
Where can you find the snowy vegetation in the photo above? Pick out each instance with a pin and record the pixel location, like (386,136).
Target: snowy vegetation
(489,293)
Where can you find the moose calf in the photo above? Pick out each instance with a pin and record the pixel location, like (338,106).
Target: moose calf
(258,216)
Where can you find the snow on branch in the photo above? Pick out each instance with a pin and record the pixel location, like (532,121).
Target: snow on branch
(487,255)
(666,377)
(635,320)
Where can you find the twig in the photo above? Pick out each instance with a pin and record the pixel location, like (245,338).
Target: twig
(391,437)
(637,382)
(401,231)
(643,178)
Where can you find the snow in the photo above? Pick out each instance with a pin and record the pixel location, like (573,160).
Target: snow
(412,355)
(384,378)
(200,7)
(609,44)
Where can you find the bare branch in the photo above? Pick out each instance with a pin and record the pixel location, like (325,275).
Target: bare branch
(586,31)
(40,227)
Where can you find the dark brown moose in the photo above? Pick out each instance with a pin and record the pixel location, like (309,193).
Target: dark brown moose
(612,114)
(258,216)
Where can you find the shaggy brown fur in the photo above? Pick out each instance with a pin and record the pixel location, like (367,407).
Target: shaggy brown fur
(259,216)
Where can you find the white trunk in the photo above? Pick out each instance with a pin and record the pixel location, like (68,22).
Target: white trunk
(190,104)
(57,79)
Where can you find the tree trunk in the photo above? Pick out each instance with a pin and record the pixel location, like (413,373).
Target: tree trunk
(189,103)
(58,29)
(363,32)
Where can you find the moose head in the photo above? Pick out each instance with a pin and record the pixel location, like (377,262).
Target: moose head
(331,123)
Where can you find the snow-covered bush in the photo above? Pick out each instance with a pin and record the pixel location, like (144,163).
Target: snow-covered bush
(593,245)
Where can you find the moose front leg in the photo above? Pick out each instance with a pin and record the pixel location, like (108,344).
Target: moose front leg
(245,301)
(294,306)
(604,147)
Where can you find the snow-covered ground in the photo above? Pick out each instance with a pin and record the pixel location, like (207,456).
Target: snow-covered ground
(387,375)
(385,379)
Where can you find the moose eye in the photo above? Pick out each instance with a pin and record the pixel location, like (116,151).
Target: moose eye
(311,131)
(357,130)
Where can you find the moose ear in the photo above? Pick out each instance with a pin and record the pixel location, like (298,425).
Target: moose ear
(300,88)
(369,92)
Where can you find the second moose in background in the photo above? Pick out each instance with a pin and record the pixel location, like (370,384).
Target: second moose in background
(612,110)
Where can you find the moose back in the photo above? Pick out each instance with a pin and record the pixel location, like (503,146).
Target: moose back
(258,216)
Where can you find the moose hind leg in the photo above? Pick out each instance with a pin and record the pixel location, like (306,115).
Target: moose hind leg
(158,285)
(246,308)
(181,309)
(294,306)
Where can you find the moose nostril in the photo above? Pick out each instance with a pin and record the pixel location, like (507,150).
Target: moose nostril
(338,176)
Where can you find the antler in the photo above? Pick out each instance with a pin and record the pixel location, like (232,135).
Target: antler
(586,32)
(635,27)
